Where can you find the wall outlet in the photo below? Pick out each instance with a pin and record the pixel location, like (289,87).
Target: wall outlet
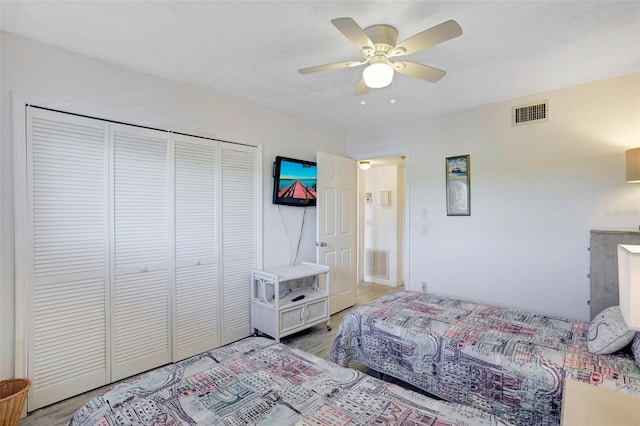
(424,286)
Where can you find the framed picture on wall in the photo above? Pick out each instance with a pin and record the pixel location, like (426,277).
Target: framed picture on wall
(458,186)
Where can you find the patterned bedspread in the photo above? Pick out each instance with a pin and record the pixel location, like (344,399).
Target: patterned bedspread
(506,361)
(257,381)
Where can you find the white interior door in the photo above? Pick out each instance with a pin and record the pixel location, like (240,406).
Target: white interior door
(337,227)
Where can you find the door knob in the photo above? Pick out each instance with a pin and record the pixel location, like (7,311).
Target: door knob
(321,244)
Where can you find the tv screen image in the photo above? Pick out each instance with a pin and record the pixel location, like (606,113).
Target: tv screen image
(294,182)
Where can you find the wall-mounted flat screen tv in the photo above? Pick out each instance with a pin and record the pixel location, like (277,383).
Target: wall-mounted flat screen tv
(294,182)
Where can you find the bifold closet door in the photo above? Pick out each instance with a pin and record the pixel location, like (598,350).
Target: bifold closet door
(136,249)
(239,238)
(141,311)
(196,212)
(68,255)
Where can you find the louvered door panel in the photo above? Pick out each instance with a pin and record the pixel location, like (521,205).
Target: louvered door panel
(69,269)
(197,325)
(140,296)
(238,238)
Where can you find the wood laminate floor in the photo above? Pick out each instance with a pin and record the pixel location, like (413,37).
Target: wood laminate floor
(316,340)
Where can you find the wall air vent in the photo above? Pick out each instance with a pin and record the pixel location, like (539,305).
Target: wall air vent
(376,263)
(525,114)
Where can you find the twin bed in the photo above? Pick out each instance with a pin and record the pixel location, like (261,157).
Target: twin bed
(505,361)
(490,365)
(258,381)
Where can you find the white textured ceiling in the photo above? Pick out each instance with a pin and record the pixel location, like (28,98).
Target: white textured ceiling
(253,49)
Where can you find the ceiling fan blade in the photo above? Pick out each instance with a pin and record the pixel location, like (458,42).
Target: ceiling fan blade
(327,67)
(353,32)
(361,89)
(423,72)
(427,38)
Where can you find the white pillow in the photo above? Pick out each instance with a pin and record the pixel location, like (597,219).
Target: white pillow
(635,349)
(608,332)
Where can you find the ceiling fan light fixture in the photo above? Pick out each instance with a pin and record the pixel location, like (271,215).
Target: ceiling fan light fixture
(378,43)
(378,75)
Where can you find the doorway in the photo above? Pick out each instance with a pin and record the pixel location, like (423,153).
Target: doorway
(382,220)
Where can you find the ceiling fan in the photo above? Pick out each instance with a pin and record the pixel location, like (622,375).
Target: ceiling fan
(377,44)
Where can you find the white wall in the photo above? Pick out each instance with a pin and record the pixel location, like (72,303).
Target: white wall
(37,70)
(536,191)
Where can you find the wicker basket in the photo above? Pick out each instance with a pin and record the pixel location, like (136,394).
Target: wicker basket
(13,394)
